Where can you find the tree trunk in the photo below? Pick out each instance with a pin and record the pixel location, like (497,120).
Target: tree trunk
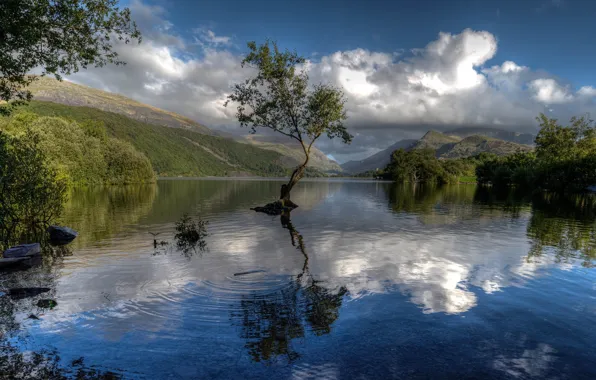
(296,176)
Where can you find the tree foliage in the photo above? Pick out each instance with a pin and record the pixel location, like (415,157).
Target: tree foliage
(564,159)
(58,36)
(31,196)
(422,166)
(279,98)
(84,154)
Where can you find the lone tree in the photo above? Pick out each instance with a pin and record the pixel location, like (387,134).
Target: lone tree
(58,37)
(279,98)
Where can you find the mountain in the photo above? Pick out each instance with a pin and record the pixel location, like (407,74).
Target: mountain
(292,151)
(473,145)
(434,140)
(516,137)
(376,161)
(71,94)
(174,151)
(447,145)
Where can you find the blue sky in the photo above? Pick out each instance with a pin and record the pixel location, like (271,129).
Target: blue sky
(405,66)
(555,35)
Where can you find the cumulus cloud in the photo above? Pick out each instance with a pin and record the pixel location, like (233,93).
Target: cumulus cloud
(443,85)
(550,92)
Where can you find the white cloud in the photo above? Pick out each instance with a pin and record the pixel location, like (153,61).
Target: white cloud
(209,38)
(548,91)
(390,95)
(588,91)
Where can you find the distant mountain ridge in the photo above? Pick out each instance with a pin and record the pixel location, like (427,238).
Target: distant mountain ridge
(293,153)
(72,94)
(458,143)
(516,137)
(376,161)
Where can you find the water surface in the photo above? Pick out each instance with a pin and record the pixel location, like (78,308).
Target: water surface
(365,280)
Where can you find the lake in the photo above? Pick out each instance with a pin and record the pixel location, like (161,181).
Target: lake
(365,280)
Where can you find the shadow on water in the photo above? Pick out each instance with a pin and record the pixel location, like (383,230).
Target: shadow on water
(272,322)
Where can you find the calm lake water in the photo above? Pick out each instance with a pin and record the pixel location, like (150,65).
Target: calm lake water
(367,280)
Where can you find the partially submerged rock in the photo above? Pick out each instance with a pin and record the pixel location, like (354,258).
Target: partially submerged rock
(60,235)
(23,250)
(277,207)
(22,293)
(12,262)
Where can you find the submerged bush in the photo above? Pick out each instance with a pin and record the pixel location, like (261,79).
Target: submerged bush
(190,234)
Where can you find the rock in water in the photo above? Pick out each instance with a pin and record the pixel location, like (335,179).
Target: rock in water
(61,235)
(24,250)
(15,261)
(276,208)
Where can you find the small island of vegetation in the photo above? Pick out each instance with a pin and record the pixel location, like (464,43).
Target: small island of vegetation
(563,160)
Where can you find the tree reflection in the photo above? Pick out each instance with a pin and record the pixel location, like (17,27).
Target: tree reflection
(270,323)
(561,225)
(565,227)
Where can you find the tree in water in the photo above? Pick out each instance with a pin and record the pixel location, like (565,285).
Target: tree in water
(59,36)
(279,98)
(271,323)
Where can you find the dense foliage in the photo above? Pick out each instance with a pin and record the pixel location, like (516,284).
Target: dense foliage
(279,98)
(31,196)
(58,36)
(564,159)
(422,165)
(82,154)
(173,151)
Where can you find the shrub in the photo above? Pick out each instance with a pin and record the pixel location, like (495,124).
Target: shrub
(31,196)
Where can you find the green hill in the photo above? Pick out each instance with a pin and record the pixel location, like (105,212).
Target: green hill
(175,151)
(293,153)
(68,93)
(473,145)
(434,140)
(513,136)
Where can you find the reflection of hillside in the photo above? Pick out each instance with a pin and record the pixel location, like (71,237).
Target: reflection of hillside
(434,205)
(99,213)
(175,197)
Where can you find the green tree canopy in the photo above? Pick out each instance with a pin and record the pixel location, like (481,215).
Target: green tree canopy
(59,37)
(30,195)
(279,98)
